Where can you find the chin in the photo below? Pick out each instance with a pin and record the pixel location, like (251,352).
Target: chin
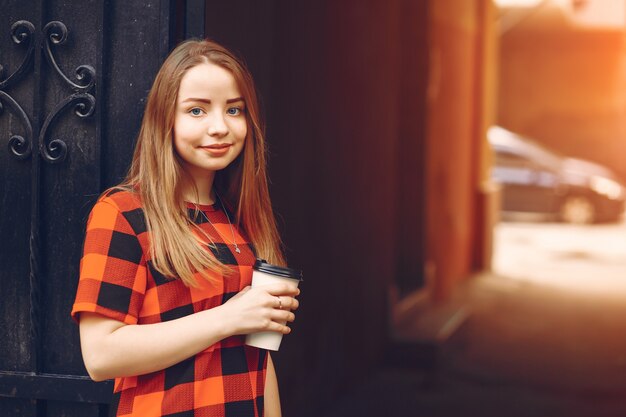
(218,166)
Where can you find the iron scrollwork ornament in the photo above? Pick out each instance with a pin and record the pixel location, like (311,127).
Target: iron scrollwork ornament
(55,151)
(54,33)
(22,33)
(19,146)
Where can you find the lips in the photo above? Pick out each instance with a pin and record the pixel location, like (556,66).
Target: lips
(217,146)
(217,149)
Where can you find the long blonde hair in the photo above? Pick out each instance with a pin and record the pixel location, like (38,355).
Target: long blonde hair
(156,172)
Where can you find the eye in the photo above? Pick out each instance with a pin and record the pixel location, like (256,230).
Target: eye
(196,111)
(234,111)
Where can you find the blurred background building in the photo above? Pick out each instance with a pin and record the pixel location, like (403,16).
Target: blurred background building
(562,76)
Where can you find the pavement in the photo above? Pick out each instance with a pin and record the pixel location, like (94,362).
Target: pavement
(531,346)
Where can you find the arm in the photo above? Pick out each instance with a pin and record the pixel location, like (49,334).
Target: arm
(271,397)
(113,349)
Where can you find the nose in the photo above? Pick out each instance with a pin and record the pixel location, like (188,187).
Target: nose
(217,126)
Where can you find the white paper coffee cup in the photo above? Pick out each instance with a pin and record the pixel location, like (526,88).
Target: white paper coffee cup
(266,274)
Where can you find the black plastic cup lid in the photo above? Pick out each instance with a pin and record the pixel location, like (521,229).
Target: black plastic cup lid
(261,265)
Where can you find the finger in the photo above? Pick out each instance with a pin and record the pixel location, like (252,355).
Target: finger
(274,301)
(279,327)
(240,293)
(288,303)
(281,288)
(282,316)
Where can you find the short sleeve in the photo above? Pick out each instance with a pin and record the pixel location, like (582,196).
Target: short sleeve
(113,275)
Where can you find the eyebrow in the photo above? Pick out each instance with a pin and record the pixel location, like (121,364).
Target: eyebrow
(204,100)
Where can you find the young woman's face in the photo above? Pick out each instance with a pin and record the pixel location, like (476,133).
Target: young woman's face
(210,124)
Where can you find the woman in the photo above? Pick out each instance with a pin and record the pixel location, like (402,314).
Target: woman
(163,297)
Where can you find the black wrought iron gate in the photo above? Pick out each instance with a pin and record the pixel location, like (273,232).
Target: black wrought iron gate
(73,78)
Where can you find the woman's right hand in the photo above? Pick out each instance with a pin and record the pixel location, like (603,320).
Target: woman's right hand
(259,309)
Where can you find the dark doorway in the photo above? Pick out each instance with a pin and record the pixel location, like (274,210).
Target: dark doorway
(71,98)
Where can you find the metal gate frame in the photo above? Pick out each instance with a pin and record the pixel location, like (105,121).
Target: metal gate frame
(90,93)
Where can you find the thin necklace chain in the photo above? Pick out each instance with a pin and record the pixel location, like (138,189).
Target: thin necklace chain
(230,225)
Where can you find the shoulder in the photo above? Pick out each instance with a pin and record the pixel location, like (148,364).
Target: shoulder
(121,205)
(121,198)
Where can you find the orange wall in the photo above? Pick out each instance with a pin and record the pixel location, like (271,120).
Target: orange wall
(458,103)
(566,86)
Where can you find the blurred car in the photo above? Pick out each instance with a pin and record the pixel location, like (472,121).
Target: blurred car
(537,180)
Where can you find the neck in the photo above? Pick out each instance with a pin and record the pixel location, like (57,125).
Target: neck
(203,191)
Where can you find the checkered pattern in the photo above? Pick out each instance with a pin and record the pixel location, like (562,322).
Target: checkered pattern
(117,280)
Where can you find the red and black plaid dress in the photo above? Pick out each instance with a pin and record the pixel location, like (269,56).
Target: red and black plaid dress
(117,280)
